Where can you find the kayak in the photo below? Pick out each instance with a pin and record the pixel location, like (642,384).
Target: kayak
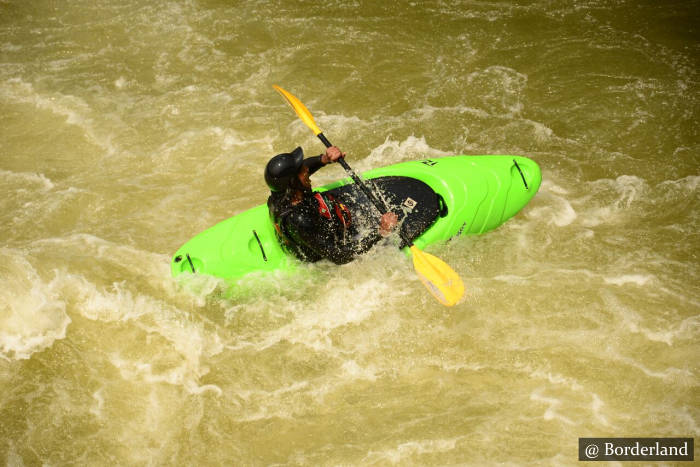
(435,199)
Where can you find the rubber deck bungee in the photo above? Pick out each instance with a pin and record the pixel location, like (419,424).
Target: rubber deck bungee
(476,194)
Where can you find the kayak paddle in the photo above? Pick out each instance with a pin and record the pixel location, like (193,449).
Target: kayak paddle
(439,278)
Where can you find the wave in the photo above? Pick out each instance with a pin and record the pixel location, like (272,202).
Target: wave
(33,314)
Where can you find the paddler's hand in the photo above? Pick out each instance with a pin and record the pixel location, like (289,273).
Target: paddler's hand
(387,223)
(332,154)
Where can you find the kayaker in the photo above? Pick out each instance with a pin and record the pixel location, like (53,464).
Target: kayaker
(315,225)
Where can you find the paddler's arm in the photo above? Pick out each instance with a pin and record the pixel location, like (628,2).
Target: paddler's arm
(332,154)
(341,253)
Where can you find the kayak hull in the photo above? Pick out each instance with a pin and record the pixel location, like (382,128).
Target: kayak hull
(479,193)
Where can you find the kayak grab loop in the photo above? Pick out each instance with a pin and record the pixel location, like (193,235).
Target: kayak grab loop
(178,259)
(262,250)
(189,260)
(521,174)
(442,206)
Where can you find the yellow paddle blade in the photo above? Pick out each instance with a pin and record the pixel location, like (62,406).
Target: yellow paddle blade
(300,109)
(440,279)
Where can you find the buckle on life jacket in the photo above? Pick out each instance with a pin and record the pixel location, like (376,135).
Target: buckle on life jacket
(343,214)
(341,211)
(322,206)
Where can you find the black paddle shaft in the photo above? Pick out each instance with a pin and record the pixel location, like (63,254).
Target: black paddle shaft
(378,203)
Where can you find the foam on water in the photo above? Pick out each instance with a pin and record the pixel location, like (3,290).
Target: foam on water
(41,182)
(128,128)
(412,449)
(552,404)
(637,279)
(351,370)
(75,110)
(313,322)
(393,152)
(558,210)
(33,314)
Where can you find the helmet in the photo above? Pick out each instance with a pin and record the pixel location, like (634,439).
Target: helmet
(282,169)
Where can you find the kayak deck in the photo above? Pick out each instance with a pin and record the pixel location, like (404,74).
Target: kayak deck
(476,194)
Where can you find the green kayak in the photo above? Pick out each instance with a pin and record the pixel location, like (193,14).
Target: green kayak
(436,200)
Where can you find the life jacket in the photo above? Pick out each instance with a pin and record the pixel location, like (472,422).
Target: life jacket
(328,208)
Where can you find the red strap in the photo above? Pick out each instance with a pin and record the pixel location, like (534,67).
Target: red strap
(322,206)
(340,209)
(343,214)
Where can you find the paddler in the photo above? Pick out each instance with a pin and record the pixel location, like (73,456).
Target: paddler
(315,225)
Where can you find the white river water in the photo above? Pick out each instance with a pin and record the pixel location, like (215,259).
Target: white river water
(128,127)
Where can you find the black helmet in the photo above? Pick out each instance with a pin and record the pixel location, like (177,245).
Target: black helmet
(282,169)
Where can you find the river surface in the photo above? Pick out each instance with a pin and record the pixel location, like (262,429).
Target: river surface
(127,127)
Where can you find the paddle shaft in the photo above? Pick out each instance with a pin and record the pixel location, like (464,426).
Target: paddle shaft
(439,278)
(378,203)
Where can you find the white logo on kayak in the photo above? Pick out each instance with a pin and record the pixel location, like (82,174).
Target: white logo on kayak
(410,203)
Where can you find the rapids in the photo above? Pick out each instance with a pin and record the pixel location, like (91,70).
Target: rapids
(128,127)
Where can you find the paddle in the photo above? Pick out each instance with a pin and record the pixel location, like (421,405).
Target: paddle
(439,278)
